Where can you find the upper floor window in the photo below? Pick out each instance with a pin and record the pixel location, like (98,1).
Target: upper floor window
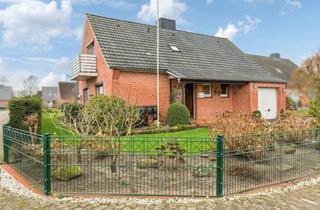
(224,90)
(90,48)
(99,89)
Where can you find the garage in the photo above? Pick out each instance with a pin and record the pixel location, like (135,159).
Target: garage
(267,102)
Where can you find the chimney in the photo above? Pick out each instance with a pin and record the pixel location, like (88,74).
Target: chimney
(167,24)
(275,55)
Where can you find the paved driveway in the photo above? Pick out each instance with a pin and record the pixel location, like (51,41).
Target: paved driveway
(4,117)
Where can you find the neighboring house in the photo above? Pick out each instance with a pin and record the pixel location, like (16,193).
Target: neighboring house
(208,74)
(283,69)
(6,93)
(67,92)
(49,96)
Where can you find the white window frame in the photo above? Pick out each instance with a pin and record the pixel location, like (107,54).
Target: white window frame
(201,94)
(226,95)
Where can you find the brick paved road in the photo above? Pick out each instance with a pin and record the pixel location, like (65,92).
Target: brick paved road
(305,198)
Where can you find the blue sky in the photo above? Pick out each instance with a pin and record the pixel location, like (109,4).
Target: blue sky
(41,37)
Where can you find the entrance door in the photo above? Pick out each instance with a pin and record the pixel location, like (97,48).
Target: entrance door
(189,98)
(267,102)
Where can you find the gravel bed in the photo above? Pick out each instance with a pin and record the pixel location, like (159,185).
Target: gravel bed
(13,186)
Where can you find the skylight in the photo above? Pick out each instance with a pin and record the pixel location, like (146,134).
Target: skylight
(174,48)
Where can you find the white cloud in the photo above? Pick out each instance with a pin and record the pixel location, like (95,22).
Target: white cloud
(62,63)
(209,1)
(228,32)
(33,22)
(249,24)
(52,79)
(245,26)
(286,5)
(108,3)
(290,6)
(173,9)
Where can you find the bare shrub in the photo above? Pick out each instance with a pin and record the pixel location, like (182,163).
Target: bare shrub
(242,131)
(290,126)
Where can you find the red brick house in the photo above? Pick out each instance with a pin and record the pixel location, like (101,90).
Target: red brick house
(208,74)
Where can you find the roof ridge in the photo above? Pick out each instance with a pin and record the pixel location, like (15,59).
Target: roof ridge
(179,30)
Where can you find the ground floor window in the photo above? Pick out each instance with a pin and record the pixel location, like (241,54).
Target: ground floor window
(204,90)
(224,90)
(99,89)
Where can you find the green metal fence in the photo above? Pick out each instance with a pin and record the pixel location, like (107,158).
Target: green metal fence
(161,166)
(25,153)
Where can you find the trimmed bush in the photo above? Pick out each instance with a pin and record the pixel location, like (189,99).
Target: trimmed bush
(178,114)
(67,173)
(22,107)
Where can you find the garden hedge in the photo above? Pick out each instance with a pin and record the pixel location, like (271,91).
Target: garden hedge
(22,107)
(178,114)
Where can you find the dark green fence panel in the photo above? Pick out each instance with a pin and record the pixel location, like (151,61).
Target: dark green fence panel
(47,164)
(23,151)
(161,166)
(219,169)
(5,144)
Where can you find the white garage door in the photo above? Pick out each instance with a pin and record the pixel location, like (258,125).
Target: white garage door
(267,102)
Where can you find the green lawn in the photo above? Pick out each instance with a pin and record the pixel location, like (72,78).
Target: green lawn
(51,126)
(193,141)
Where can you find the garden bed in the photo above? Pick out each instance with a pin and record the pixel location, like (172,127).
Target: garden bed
(240,174)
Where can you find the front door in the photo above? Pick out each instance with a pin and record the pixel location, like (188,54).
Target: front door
(189,98)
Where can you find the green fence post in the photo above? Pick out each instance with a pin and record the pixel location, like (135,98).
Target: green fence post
(5,145)
(317,138)
(46,163)
(219,179)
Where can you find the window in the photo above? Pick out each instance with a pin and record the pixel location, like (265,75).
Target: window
(99,89)
(204,90)
(174,48)
(224,90)
(90,49)
(85,95)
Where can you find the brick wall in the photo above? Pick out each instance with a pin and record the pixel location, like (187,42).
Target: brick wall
(140,89)
(208,108)
(242,97)
(105,74)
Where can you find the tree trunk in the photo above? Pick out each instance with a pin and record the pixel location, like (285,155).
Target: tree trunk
(113,167)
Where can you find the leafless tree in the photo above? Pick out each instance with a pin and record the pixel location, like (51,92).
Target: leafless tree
(102,119)
(30,86)
(306,79)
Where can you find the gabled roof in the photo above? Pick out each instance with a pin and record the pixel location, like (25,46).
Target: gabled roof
(49,93)
(68,90)
(6,93)
(132,46)
(278,67)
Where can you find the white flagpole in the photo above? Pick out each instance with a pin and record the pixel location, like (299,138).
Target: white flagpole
(158,67)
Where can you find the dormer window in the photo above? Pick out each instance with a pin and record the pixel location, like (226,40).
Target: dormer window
(174,48)
(90,48)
